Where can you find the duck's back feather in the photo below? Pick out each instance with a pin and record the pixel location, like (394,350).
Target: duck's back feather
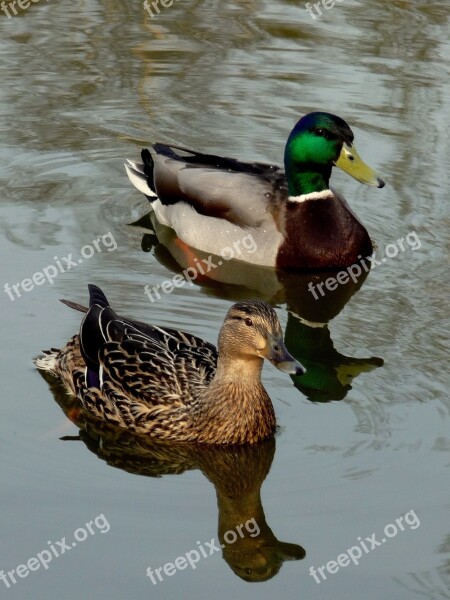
(145,363)
(219,187)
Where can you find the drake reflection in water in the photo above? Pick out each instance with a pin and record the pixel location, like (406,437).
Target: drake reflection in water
(329,373)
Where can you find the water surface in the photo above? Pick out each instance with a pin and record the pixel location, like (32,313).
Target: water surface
(365,439)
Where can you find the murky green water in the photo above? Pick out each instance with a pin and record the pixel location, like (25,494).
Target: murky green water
(84,85)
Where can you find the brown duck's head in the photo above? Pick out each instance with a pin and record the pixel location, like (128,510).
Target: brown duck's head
(252,330)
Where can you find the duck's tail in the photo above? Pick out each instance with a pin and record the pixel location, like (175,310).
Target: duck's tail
(96,296)
(48,361)
(141,175)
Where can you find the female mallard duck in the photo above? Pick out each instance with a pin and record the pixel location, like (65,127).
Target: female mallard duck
(295,220)
(170,384)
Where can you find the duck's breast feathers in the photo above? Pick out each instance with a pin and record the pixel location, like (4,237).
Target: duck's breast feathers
(321,231)
(215,186)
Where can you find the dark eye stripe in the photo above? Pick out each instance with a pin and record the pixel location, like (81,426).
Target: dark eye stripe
(248,320)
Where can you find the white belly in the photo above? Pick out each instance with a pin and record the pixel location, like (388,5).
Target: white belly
(258,245)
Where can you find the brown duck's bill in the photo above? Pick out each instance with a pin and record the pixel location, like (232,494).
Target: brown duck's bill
(350,162)
(282,360)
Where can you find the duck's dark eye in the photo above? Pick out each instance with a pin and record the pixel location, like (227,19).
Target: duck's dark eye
(248,321)
(321,132)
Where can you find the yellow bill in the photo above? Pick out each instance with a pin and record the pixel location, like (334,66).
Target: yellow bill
(350,162)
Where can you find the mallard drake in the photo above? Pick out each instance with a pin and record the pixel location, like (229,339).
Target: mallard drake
(171,384)
(296,221)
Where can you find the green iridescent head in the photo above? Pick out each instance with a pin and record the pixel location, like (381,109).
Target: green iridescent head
(318,142)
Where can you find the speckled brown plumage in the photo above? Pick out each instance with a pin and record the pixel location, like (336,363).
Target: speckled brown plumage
(172,385)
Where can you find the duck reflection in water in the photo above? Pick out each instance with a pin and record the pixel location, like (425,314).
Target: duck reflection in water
(307,335)
(237,473)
